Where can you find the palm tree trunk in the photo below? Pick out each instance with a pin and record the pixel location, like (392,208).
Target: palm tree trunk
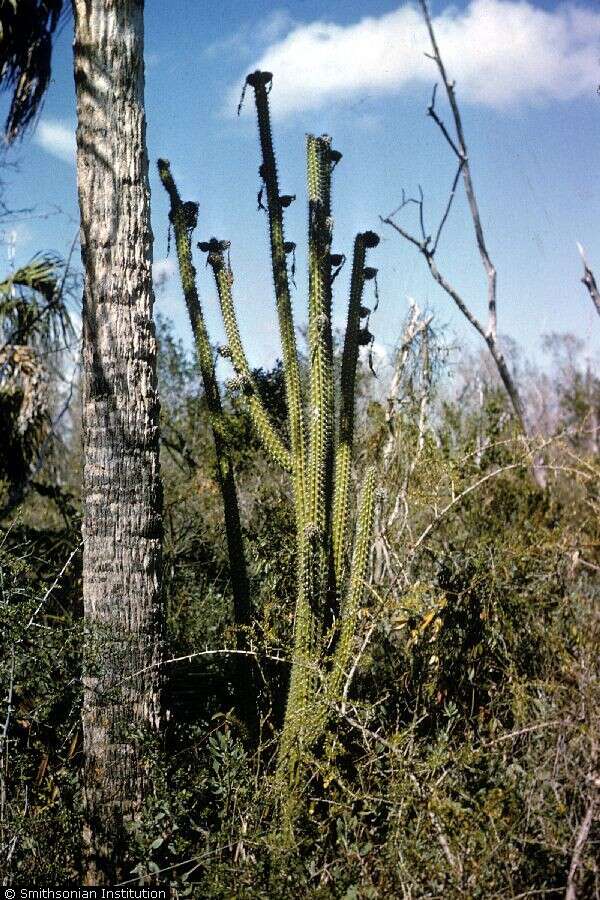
(122,526)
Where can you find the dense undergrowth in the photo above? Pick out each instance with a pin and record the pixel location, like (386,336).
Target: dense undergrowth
(462,760)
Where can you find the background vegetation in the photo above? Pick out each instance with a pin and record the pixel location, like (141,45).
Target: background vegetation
(463,761)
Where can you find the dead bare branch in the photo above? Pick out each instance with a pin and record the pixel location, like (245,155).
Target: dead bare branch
(431,111)
(451,197)
(461,151)
(589,280)
(580,841)
(489,330)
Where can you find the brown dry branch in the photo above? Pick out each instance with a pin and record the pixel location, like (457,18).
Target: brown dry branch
(580,842)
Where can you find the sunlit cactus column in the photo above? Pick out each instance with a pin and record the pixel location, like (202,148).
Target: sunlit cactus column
(331,576)
(332,564)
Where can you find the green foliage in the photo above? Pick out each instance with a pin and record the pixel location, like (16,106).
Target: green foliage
(40,822)
(458,763)
(34,322)
(26,31)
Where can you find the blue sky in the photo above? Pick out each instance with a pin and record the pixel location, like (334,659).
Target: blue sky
(526,77)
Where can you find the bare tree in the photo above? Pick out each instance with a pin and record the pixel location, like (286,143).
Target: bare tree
(427,244)
(121,484)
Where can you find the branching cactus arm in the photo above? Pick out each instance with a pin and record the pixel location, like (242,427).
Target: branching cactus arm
(260,417)
(355,335)
(314,537)
(320,346)
(358,577)
(183,219)
(259,82)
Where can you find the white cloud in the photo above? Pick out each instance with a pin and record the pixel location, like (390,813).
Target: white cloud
(274,26)
(162,271)
(501,53)
(57,138)
(261,33)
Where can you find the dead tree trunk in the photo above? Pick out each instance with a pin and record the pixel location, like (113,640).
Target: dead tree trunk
(121,479)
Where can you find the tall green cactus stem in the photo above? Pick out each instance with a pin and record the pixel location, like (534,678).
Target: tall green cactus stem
(259,81)
(259,415)
(356,589)
(333,688)
(315,541)
(305,636)
(343,460)
(319,334)
(183,218)
(320,467)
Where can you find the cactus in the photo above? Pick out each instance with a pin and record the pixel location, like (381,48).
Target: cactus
(354,336)
(260,418)
(331,575)
(183,218)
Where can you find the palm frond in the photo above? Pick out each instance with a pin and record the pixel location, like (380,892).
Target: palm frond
(26,31)
(33,307)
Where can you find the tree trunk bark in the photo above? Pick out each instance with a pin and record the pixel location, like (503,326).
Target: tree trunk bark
(122,526)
